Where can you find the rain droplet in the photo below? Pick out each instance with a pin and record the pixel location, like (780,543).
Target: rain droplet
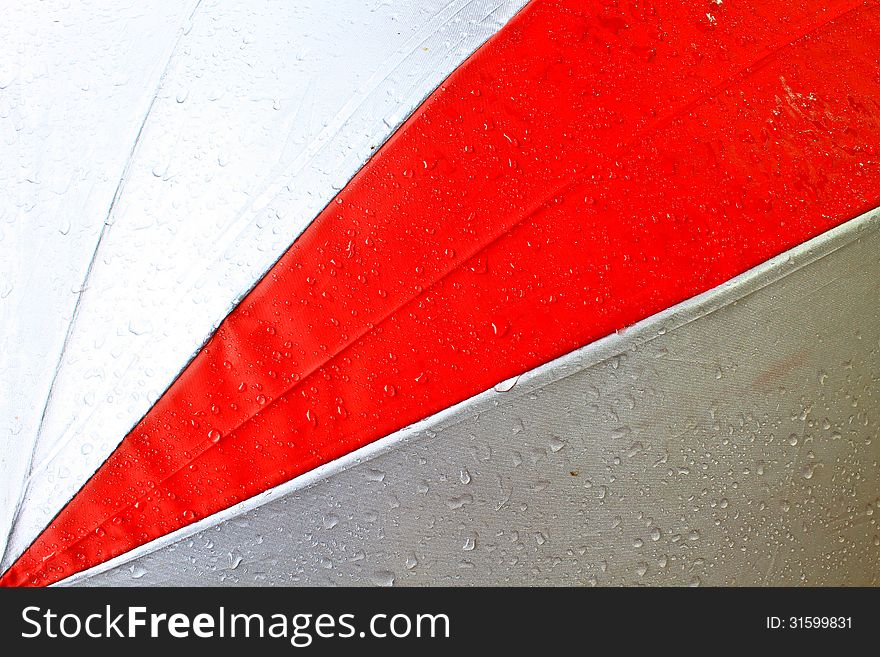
(383,578)
(507,385)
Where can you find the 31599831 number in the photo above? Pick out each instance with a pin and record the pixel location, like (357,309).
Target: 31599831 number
(820,622)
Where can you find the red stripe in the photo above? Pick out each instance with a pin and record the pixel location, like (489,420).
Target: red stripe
(588,167)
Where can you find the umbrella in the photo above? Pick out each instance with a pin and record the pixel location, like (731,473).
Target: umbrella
(586,170)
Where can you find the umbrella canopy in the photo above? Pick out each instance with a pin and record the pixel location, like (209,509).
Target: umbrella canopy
(587,168)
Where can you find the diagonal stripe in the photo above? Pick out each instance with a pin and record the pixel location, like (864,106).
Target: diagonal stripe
(582,171)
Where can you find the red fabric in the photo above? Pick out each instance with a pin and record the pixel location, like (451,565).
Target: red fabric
(591,165)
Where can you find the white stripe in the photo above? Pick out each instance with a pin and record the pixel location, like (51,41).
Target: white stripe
(76,81)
